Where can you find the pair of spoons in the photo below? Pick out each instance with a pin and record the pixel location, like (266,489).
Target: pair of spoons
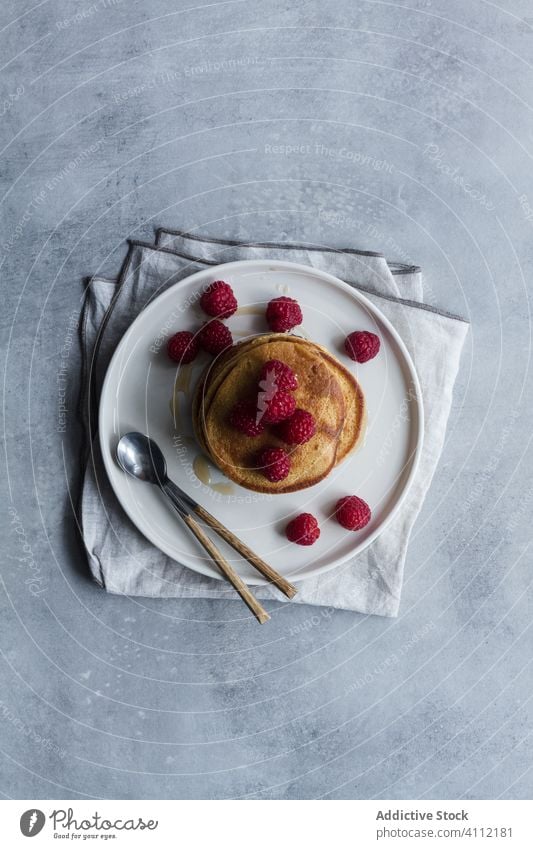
(141,458)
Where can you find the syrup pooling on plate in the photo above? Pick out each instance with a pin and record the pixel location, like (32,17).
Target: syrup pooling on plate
(200,466)
(203,473)
(250,311)
(182,384)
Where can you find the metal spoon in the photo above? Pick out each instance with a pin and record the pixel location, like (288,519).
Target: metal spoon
(141,457)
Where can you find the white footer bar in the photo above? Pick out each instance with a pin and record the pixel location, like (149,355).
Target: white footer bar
(274,824)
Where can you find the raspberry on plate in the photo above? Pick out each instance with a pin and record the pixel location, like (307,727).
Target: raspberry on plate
(352,512)
(297,430)
(362,346)
(274,464)
(218,300)
(284,376)
(243,417)
(280,407)
(303,530)
(182,347)
(215,337)
(283,314)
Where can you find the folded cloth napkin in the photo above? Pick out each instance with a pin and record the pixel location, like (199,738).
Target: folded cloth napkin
(120,558)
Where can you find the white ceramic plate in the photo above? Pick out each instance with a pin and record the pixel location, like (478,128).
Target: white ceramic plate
(139,386)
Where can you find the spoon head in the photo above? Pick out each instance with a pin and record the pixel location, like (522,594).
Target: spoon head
(141,457)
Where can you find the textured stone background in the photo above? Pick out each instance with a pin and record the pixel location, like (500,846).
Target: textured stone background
(416,128)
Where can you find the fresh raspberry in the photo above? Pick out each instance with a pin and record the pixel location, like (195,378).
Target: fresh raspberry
(362,346)
(352,512)
(218,300)
(303,529)
(283,314)
(215,337)
(243,418)
(280,407)
(297,430)
(274,464)
(182,347)
(283,374)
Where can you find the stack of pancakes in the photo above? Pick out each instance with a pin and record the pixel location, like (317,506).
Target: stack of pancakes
(325,388)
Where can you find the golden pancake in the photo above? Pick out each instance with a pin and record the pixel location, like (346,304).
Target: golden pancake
(318,391)
(355,411)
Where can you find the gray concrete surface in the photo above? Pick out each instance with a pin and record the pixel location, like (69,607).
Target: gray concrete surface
(402,127)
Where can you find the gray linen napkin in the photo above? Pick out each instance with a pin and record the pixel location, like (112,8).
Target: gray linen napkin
(120,558)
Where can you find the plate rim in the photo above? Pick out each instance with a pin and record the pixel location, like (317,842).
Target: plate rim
(110,463)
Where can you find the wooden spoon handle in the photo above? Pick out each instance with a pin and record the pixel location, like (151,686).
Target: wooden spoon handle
(227,570)
(274,577)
